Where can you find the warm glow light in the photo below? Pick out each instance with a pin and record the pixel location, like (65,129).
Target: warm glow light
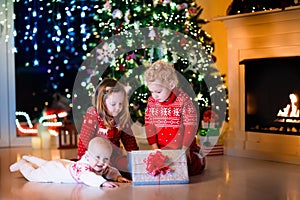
(227,174)
(291,110)
(42,120)
(62,114)
(53,132)
(52,124)
(25,130)
(28,121)
(46,117)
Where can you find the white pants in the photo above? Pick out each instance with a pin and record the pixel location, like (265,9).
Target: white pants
(56,171)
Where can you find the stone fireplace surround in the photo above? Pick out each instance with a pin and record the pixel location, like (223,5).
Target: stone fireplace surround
(264,34)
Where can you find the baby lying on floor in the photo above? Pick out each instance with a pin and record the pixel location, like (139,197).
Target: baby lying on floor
(92,169)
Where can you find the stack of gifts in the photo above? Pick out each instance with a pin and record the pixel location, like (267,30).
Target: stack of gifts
(158,167)
(209,134)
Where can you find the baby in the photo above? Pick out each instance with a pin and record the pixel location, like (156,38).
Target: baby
(92,169)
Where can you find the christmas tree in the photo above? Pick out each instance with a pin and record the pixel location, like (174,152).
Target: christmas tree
(118,39)
(133,34)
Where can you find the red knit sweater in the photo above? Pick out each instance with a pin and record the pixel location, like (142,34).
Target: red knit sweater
(93,126)
(172,124)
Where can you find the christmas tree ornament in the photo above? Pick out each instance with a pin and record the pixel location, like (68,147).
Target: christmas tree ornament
(117,14)
(182,6)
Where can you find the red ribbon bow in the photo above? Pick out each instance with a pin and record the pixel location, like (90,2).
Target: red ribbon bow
(155,164)
(210,116)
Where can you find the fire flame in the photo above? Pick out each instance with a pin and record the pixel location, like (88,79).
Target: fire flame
(291,110)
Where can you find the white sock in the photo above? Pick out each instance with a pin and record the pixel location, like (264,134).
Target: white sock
(34,160)
(16,166)
(27,158)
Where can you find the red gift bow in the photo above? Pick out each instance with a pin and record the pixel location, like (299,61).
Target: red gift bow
(155,164)
(210,116)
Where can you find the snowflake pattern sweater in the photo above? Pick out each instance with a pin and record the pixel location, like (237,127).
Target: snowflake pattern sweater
(93,126)
(171,124)
(83,173)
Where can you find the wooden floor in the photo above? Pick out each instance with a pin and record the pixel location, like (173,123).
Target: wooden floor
(225,177)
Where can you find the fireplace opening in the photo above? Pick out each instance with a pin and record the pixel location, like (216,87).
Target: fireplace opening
(272,95)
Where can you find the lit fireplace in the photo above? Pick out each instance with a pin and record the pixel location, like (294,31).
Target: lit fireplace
(262,48)
(271,88)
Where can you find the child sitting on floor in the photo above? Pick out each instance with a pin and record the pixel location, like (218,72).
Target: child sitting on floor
(171,116)
(92,169)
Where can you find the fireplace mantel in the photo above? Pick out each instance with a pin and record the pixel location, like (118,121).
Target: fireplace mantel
(274,33)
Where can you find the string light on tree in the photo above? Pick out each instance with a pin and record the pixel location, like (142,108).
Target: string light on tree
(59,35)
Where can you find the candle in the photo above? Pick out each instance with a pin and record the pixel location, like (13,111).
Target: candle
(45,136)
(36,142)
(54,141)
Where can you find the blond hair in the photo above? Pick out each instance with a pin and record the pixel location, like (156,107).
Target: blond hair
(106,87)
(161,71)
(99,146)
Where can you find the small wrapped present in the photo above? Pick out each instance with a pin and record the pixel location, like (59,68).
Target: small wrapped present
(209,119)
(159,167)
(208,124)
(209,142)
(209,137)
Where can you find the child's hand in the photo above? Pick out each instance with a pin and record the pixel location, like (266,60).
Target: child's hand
(154,146)
(121,179)
(109,184)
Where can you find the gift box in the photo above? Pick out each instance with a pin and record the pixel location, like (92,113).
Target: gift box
(209,142)
(208,124)
(215,150)
(158,167)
